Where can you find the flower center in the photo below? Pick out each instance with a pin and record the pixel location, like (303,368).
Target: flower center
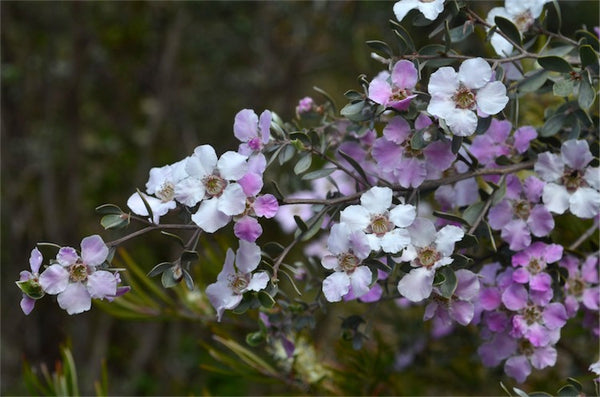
(380,225)
(532,315)
(464,98)
(215,185)
(239,282)
(254,143)
(166,192)
(78,272)
(523,21)
(526,348)
(522,209)
(399,94)
(536,265)
(573,180)
(427,256)
(348,262)
(575,286)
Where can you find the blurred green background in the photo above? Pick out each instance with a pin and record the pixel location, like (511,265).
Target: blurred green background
(94,94)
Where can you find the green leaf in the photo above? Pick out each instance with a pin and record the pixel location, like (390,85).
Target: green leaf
(553,124)
(190,257)
(255,338)
(456,143)
(303,164)
(315,226)
(265,299)
(322,173)
(532,81)
(483,124)
(568,391)
(460,33)
(472,212)
(403,35)
(301,225)
(175,237)
(168,278)
(417,141)
(588,56)
(148,208)
(327,97)
(114,221)
(450,217)
(286,154)
(31,288)
(587,94)
(381,47)
(467,241)
(448,287)
(520,392)
(555,64)
(509,29)
(563,87)
(189,281)
(158,269)
(499,193)
(588,38)
(353,95)
(109,209)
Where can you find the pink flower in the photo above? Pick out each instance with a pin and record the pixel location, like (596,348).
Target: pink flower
(395,90)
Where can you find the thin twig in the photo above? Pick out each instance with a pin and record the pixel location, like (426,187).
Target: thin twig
(584,236)
(149,229)
(486,207)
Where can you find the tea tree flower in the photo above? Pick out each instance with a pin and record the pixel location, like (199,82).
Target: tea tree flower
(348,250)
(395,90)
(253,132)
(383,225)
(457,97)
(429,8)
(571,183)
(157,206)
(29,282)
(75,278)
(233,281)
(428,251)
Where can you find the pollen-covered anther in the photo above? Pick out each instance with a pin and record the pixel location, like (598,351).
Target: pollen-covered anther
(380,225)
(215,185)
(522,209)
(464,98)
(348,262)
(524,20)
(239,282)
(78,272)
(166,192)
(573,180)
(428,256)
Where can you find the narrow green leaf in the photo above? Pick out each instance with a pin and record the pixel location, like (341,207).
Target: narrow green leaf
(532,81)
(460,33)
(354,95)
(189,281)
(450,283)
(175,237)
(588,38)
(315,226)
(168,279)
(158,269)
(509,29)
(483,124)
(381,47)
(265,299)
(588,56)
(520,392)
(322,173)
(301,225)
(255,338)
(114,221)
(568,391)
(587,94)
(553,124)
(467,241)
(417,141)
(327,97)
(456,143)
(303,164)
(109,209)
(286,154)
(472,212)
(148,208)
(450,217)
(555,64)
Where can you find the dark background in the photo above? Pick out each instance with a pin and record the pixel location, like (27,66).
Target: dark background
(96,93)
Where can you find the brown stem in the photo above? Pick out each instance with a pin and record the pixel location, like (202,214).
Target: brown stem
(149,229)
(584,236)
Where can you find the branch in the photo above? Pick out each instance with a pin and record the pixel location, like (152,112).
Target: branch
(584,236)
(149,229)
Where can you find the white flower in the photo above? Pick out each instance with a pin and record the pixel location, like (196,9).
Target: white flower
(429,8)
(384,226)
(231,284)
(348,250)
(572,184)
(522,13)
(428,250)
(457,97)
(223,197)
(157,206)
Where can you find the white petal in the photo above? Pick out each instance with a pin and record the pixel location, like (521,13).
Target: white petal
(93,250)
(377,199)
(54,279)
(233,200)
(417,285)
(585,202)
(75,299)
(228,269)
(394,241)
(422,232)
(338,242)
(194,168)
(101,284)
(356,217)
(329,262)
(447,237)
(502,46)
(491,99)
(207,158)
(592,177)
(189,191)
(462,122)
(441,107)
(475,73)
(431,10)
(209,218)
(556,198)
(259,281)
(232,166)
(403,215)
(247,257)
(360,280)
(549,166)
(576,153)
(335,286)
(443,82)
(222,297)
(402,7)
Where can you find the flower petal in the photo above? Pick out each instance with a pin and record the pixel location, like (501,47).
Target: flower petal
(360,280)
(247,257)
(101,284)
(209,218)
(335,286)
(417,285)
(475,73)
(245,125)
(404,74)
(93,250)
(491,99)
(54,279)
(75,299)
